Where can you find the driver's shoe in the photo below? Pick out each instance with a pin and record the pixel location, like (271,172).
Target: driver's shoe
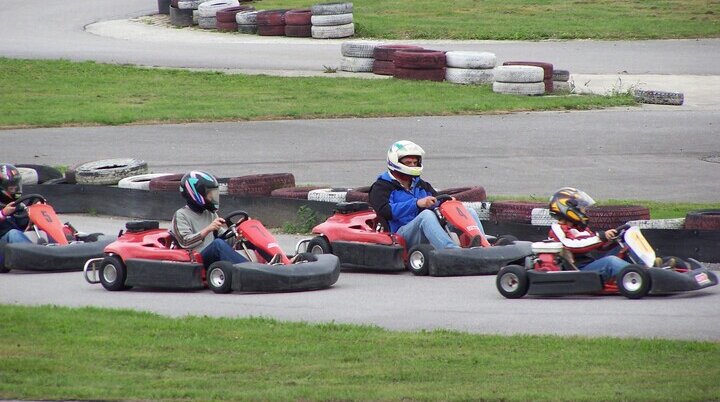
(276,259)
(476,241)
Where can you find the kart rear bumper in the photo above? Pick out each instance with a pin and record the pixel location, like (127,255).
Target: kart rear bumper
(477,261)
(51,258)
(255,277)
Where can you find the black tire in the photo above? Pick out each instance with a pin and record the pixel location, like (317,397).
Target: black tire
(4,270)
(319,245)
(219,277)
(419,259)
(634,282)
(304,257)
(505,240)
(512,281)
(44,172)
(113,274)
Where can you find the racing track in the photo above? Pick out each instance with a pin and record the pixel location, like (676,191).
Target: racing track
(648,152)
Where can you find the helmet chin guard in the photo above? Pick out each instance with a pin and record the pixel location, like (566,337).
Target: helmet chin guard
(401,149)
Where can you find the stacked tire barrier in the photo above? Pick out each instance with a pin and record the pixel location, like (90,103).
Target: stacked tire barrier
(547,71)
(424,64)
(704,219)
(513,211)
(605,217)
(357,56)
(163,6)
(383,55)
(561,81)
(519,80)
(181,12)
(297,23)
(300,192)
(207,12)
(333,195)
(226,18)
(470,67)
(332,20)
(247,21)
(271,23)
(260,184)
(659,97)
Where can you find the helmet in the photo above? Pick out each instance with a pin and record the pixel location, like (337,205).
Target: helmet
(200,190)
(9,177)
(569,204)
(400,150)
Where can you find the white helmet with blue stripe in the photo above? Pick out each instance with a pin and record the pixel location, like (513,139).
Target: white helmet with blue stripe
(400,150)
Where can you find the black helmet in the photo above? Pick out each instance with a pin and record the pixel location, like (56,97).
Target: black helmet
(10,183)
(570,204)
(200,190)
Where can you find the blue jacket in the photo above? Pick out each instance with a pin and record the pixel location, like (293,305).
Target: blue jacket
(394,203)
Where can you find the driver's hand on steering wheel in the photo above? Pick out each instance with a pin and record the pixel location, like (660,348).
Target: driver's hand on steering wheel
(9,209)
(426,202)
(611,234)
(217,224)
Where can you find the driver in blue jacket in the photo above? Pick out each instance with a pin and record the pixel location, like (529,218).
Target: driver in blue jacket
(12,221)
(404,200)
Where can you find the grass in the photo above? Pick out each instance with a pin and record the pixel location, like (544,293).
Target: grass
(97,354)
(530,19)
(39,93)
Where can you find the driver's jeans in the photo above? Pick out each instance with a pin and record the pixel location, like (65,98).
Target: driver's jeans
(608,266)
(12,236)
(426,228)
(219,250)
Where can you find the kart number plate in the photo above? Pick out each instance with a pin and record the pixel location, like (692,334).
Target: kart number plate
(702,279)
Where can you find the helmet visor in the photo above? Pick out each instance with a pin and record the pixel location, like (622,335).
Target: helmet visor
(582,200)
(213,197)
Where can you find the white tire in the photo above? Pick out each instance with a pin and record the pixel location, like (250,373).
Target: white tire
(189,4)
(677,223)
(28,176)
(207,22)
(659,97)
(330,20)
(247,17)
(470,59)
(333,32)
(541,217)
(469,75)
(357,64)
(109,171)
(328,195)
(140,182)
(519,88)
(482,209)
(195,17)
(359,48)
(332,8)
(210,8)
(519,74)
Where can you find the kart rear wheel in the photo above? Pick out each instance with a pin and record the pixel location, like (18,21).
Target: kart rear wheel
(512,281)
(419,259)
(113,273)
(4,270)
(219,277)
(319,245)
(634,282)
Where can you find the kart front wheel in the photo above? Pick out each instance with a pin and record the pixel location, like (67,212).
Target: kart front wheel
(219,277)
(113,273)
(634,282)
(319,245)
(419,259)
(512,281)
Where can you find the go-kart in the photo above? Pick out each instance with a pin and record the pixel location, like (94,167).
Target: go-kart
(355,235)
(54,246)
(147,256)
(551,271)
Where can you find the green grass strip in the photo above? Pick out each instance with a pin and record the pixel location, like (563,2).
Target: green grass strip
(52,93)
(530,19)
(98,354)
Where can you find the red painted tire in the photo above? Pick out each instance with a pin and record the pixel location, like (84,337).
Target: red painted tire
(226,26)
(166,183)
(611,216)
(358,194)
(298,31)
(174,3)
(437,74)
(513,211)
(298,17)
(467,194)
(294,192)
(419,59)
(547,67)
(271,17)
(271,30)
(260,184)
(386,52)
(549,87)
(704,219)
(228,14)
(383,67)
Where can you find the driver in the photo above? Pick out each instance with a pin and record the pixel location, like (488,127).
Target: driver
(403,199)
(569,206)
(12,221)
(194,225)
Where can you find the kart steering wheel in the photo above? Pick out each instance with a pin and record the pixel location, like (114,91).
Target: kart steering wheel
(230,231)
(441,198)
(31,199)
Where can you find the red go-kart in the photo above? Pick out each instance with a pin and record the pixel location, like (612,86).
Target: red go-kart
(146,256)
(551,271)
(54,246)
(353,234)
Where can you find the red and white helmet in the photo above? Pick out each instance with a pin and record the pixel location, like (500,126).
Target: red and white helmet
(400,150)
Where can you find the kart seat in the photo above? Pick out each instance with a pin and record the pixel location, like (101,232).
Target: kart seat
(350,207)
(141,226)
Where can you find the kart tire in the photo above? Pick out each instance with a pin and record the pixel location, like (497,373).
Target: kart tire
(513,211)
(357,64)
(704,219)
(469,76)
(109,171)
(518,74)
(419,259)
(659,97)
(247,17)
(247,29)
(612,216)
(44,172)
(270,17)
(140,182)
(466,194)
(359,48)
(113,274)
(383,67)
(300,193)
(387,52)
(29,176)
(169,182)
(519,88)
(298,31)
(512,281)
(333,32)
(471,60)
(298,17)
(434,74)
(328,195)
(260,184)
(505,240)
(226,26)
(634,282)
(219,277)
(332,8)
(207,22)
(331,20)
(547,67)
(229,14)
(319,245)
(419,59)
(209,9)
(358,194)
